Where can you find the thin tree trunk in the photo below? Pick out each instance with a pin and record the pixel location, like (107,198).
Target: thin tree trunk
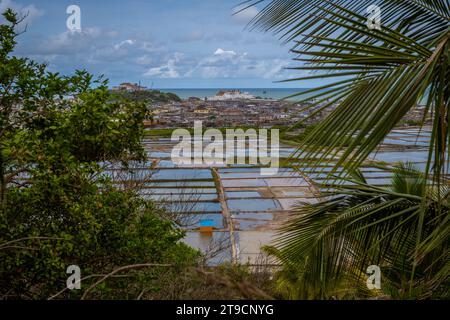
(2,180)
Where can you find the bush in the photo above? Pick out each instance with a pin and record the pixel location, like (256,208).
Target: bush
(56,208)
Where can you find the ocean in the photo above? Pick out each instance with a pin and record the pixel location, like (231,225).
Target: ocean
(269,93)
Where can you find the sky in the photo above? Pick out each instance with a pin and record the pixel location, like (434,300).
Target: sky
(162,44)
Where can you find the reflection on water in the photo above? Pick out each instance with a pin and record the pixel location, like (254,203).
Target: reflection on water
(401,156)
(180,197)
(173,191)
(182,174)
(187,207)
(243,194)
(252,205)
(193,221)
(180,184)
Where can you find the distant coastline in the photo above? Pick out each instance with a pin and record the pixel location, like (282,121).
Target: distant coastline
(264,93)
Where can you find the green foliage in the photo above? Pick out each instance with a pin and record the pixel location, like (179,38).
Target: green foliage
(302,133)
(146,96)
(411,122)
(377,75)
(97,229)
(326,247)
(297,137)
(167,132)
(57,208)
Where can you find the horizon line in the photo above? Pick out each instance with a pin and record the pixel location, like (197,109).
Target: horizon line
(226,88)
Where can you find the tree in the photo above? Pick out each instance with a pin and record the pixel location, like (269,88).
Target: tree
(59,206)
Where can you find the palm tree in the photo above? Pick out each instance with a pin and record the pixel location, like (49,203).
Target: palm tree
(326,247)
(375,77)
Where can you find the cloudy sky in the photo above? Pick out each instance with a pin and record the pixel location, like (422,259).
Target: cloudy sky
(170,43)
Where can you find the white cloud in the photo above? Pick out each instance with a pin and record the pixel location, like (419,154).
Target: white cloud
(223,58)
(30,12)
(144,60)
(272,69)
(124,43)
(72,43)
(245,16)
(230,64)
(151,47)
(167,70)
(225,53)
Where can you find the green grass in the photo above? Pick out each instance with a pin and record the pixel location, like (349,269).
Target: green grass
(167,132)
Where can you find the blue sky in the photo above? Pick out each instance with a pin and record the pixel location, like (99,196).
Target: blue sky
(170,43)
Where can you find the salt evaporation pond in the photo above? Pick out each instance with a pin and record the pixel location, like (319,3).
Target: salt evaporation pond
(253,206)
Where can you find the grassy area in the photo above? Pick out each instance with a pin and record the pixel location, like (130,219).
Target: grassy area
(167,132)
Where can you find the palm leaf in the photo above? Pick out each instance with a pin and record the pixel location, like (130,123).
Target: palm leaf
(387,72)
(358,225)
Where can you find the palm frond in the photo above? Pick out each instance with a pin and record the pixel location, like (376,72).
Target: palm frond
(386,72)
(359,225)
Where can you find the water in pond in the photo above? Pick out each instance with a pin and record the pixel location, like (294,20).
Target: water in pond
(193,221)
(399,156)
(243,183)
(288,204)
(243,194)
(252,216)
(299,182)
(169,191)
(236,170)
(181,197)
(181,184)
(381,182)
(255,175)
(245,225)
(182,174)
(159,154)
(206,207)
(165,164)
(252,208)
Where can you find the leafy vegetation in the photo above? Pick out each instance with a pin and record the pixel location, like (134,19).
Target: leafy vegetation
(330,244)
(377,77)
(411,122)
(58,207)
(167,132)
(147,96)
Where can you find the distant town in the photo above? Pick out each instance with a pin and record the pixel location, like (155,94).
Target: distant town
(233,108)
